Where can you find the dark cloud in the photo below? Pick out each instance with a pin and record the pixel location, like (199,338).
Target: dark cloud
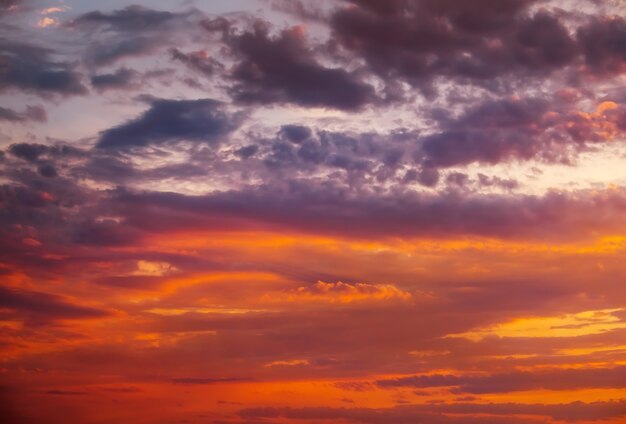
(66,392)
(28,151)
(199,61)
(504,183)
(281,154)
(121,78)
(19,199)
(247,151)
(203,381)
(458,179)
(497,131)
(566,379)
(424,40)
(134,282)
(104,233)
(483,16)
(500,413)
(173,120)
(283,69)
(107,52)
(7,5)
(604,44)
(399,415)
(33,151)
(216,287)
(461,181)
(333,209)
(32,113)
(105,167)
(490,133)
(543,42)
(568,412)
(132,31)
(36,205)
(359,156)
(428,176)
(295,133)
(130,19)
(37,306)
(30,68)
(47,170)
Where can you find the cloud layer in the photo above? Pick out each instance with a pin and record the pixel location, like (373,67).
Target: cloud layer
(353,211)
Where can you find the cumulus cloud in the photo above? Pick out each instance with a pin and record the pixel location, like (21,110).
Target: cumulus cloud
(604,42)
(202,120)
(425,39)
(282,69)
(376,177)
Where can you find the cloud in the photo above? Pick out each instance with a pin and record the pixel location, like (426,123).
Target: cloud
(203,381)
(32,152)
(568,412)
(66,392)
(104,233)
(361,158)
(8,5)
(247,151)
(264,243)
(570,325)
(132,31)
(306,206)
(131,18)
(283,69)
(289,363)
(32,113)
(499,131)
(295,133)
(490,133)
(47,170)
(400,415)
(604,44)
(481,41)
(558,379)
(202,120)
(340,292)
(28,151)
(199,61)
(38,307)
(30,68)
(133,282)
(486,45)
(121,78)
(500,413)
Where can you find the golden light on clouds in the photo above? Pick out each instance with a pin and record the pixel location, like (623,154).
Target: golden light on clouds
(291,212)
(568,325)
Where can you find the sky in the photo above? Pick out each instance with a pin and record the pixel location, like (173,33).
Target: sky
(294,212)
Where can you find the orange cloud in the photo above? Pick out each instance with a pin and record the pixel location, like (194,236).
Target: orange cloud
(341,292)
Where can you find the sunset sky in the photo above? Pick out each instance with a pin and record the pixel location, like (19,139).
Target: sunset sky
(303,212)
